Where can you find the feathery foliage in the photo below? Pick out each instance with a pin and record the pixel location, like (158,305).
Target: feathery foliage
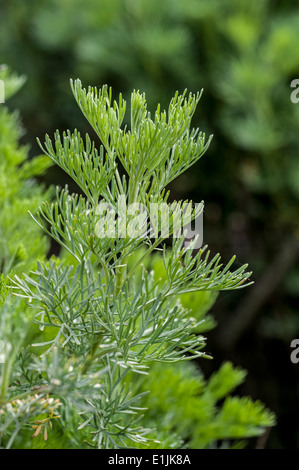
(104,318)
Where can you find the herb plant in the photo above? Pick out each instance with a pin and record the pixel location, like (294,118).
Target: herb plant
(105,318)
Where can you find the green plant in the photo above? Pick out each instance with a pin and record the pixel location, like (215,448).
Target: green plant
(21,242)
(245,56)
(105,318)
(186,410)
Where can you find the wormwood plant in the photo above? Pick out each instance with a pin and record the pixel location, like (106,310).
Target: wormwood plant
(104,317)
(184,408)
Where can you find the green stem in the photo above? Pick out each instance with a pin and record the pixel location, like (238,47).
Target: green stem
(92,354)
(121,271)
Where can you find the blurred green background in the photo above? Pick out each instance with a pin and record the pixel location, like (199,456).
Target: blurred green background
(245,55)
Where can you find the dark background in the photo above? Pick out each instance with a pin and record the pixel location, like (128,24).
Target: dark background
(245,55)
